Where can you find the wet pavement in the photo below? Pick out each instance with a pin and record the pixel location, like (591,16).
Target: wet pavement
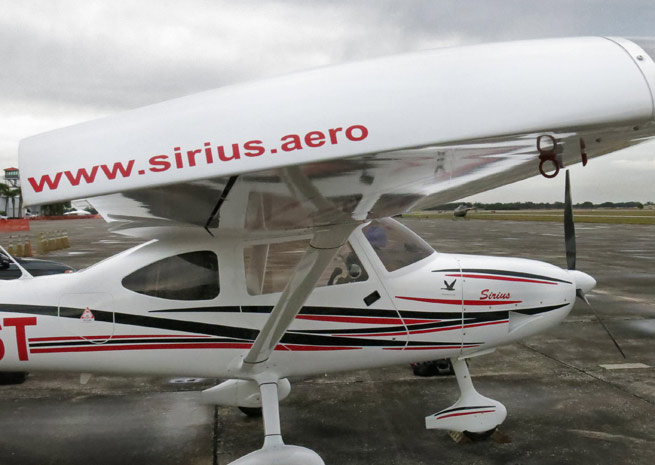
(563,406)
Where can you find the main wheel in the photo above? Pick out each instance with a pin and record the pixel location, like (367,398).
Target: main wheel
(483,436)
(423,369)
(13,377)
(252,412)
(444,367)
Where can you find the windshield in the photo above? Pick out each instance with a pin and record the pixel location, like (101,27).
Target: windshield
(395,245)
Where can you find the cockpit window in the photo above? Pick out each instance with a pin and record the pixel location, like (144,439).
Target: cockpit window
(189,276)
(269,267)
(395,245)
(345,268)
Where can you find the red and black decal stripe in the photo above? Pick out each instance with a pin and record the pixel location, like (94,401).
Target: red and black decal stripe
(205,335)
(482,303)
(502,275)
(459,411)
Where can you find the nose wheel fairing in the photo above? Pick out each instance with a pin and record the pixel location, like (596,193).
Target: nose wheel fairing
(472,413)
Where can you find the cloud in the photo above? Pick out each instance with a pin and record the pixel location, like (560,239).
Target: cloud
(626,175)
(65,61)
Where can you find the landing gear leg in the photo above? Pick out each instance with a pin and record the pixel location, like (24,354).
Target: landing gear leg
(473,414)
(274,451)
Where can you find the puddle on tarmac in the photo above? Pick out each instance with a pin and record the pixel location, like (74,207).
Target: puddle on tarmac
(641,326)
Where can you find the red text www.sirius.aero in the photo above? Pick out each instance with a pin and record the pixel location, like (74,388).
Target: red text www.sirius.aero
(207,155)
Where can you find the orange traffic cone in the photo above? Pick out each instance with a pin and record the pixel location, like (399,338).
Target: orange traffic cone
(41,245)
(27,249)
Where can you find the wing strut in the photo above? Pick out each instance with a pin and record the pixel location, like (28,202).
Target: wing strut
(215,212)
(322,248)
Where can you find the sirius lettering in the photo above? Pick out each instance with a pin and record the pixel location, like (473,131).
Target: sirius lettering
(486,294)
(255,148)
(207,154)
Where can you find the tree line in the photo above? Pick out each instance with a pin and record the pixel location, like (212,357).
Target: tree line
(541,206)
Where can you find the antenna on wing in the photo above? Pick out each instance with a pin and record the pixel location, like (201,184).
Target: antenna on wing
(214,214)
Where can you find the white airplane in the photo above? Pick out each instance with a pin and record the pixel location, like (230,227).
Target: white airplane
(272,253)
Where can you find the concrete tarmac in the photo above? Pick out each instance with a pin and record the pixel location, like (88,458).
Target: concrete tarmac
(564,407)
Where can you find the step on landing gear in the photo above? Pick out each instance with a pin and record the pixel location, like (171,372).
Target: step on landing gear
(274,450)
(474,415)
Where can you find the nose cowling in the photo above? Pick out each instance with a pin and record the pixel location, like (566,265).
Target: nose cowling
(582,281)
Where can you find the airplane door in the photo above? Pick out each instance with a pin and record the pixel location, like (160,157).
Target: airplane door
(434,320)
(484,307)
(89,316)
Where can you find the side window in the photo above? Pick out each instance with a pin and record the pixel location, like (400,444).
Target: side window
(189,276)
(270,266)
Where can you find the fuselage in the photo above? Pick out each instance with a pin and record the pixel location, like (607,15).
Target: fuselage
(194,306)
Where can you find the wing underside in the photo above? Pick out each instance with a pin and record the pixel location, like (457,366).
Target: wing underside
(358,188)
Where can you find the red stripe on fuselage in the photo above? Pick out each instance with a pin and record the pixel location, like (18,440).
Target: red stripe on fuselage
(500,278)
(459,301)
(421,331)
(434,330)
(464,413)
(469,346)
(109,347)
(362,320)
(122,336)
(297,347)
(211,345)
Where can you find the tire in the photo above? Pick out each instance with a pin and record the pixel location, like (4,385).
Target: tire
(252,412)
(424,369)
(13,377)
(441,367)
(444,367)
(483,436)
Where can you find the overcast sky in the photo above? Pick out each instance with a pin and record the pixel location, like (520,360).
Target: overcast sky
(64,62)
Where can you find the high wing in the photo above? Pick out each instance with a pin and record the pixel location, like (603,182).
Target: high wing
(351,142)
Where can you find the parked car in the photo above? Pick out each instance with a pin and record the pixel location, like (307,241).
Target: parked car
(35,267)
(77,213)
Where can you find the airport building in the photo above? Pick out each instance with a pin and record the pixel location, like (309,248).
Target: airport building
(11,202)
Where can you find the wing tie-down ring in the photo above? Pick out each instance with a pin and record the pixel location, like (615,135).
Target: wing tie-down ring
(548,152)
(551,151)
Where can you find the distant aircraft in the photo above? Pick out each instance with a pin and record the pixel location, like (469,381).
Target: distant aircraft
(462,210)
(272,253)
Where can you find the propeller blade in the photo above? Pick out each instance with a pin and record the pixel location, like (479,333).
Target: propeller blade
(569,227)
(581,295)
